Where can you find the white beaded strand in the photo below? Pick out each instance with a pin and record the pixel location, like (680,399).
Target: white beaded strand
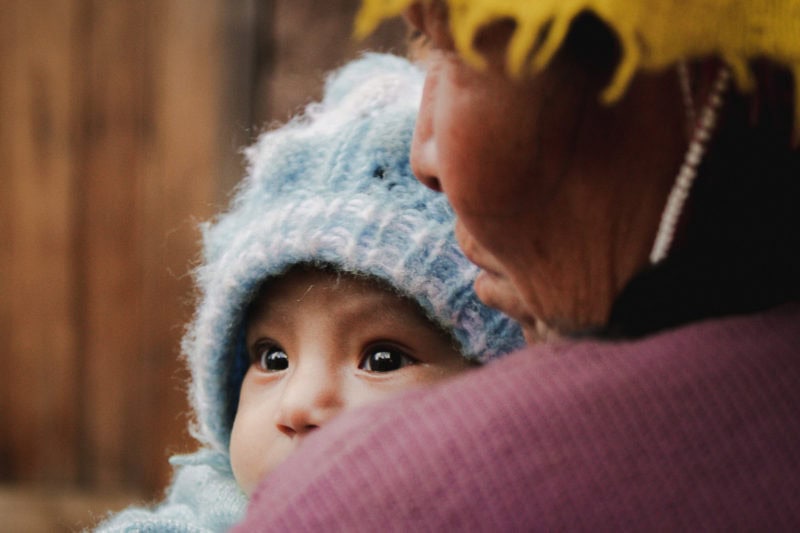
(686,91)
(688,172)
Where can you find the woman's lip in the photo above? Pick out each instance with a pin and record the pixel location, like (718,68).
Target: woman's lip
(472,251)
(479,283)
(483,285)
(470,255)
(487,271)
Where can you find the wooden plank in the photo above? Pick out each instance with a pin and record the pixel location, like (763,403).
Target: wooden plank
(301,40)
(8,63)
(198,93)
(117,131)
(33,508)
(40,361)
(121,128)
(238,64)
(164,96)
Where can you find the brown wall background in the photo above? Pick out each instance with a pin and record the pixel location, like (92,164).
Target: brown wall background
(120,128)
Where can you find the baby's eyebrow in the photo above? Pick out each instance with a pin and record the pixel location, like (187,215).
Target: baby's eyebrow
(265,316)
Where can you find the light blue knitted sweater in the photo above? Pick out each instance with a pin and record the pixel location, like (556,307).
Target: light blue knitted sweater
(332,187)
(203,497)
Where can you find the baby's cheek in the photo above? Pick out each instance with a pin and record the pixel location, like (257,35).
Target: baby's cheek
(240,457)
(252,444)
(434,373)
(375,393)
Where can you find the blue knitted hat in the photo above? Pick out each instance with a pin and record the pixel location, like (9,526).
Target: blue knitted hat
(333,187)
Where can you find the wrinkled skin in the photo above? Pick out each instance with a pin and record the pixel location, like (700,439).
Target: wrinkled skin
(558,197)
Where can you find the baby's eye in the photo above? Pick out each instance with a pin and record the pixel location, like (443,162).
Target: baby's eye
(385,359)
(271,358)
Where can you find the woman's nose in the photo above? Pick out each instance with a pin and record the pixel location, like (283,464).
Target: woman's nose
(423,145)
(310,398)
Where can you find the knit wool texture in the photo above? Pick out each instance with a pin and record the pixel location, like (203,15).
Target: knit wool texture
(653,34)
(333,187)
(202,498)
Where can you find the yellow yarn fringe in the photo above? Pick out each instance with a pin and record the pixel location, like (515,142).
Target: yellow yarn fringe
(653,34)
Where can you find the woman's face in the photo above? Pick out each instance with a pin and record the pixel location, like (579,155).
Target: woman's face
(557,196)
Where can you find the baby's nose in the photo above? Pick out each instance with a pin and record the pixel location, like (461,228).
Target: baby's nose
(309,400)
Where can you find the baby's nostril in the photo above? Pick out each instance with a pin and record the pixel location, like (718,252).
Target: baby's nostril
(286,430)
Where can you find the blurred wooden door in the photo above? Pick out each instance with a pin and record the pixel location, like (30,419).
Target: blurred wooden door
(120,129)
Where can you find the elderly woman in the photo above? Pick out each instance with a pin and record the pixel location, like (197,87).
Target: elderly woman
(624,173)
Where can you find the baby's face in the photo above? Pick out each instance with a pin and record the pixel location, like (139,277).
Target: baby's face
(320,344)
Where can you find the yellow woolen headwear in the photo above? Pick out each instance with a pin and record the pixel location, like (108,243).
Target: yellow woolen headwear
(653,34)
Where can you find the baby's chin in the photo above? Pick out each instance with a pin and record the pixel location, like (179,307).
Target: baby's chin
(247,481)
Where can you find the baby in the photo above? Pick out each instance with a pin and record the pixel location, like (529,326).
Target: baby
(333,281)
(320,342)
